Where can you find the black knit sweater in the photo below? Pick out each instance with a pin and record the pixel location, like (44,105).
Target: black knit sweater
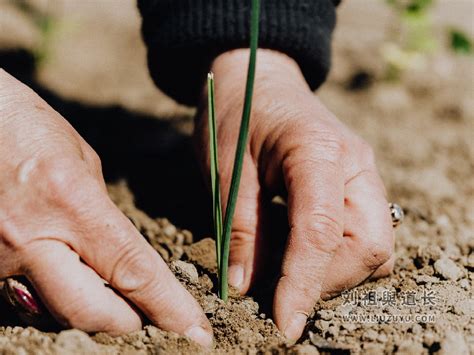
(184,36)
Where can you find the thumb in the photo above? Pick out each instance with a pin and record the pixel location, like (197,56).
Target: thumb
(245,227)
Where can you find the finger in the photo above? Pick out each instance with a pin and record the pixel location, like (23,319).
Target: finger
(384,270)
(117,251)
(246,228)
(315,207)
(74,294)
(369,236)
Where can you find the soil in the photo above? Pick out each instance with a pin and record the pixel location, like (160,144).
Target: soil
(421,128)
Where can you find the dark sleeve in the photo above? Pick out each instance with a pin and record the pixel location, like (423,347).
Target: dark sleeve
(184,36)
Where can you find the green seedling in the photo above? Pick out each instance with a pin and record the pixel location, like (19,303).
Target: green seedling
(223,228)
(459,41)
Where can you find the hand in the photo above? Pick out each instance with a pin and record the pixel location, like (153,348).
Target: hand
(340,226)
(59,228)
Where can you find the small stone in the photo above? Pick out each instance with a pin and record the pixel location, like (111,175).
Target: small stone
(429,338)
(453,343)
(325,314)
(152,331)
(443,222)
(262,315)
(427,254)
(425,279)
(464,307)
(75,341)
(417,329)
(186,269)
(179,239)
(169,230)
(333,331)
(448,269)
(370,334)
(303,349)
(345,309)
(188,237)
(373,349)
(322,324)
(350,326)
(465,284)
(382,338)
(409,347)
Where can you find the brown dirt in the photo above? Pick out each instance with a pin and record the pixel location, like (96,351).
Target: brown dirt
(421,128)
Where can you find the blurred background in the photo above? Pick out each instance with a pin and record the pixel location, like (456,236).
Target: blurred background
(402,77)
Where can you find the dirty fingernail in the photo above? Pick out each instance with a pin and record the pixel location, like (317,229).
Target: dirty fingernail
(200,336)
(295,326)
(236,276)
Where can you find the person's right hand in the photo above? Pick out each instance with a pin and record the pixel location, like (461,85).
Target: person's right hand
(59,228)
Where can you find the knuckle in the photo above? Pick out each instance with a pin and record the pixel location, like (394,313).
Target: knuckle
(321,231)
(240,239)
(376,254)
(132,273)
(86,316)
(60,179)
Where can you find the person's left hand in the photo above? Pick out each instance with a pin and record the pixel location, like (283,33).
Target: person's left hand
(340,227)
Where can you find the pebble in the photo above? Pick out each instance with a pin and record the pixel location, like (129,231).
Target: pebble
(464,307)
(333,331)
(448,269)
(322,324)
(382,338)
(409,347)
(370,334)
(169,230)
(304,349)
(75,341)
(425,279)
(325,314)
(417,329)
(453,343)
(350,326)
(345,309)
(152,331)
(373,349)
(186,269)
(429,338)
(465,284)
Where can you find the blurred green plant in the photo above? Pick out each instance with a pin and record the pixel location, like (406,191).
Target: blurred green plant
(414,38)
(44,22)
(459,41)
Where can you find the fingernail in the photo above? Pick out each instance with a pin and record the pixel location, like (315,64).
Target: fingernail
(200,336)
(295,326)
(236,276)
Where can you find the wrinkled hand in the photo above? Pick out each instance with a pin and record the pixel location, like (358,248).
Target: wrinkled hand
(59,228)
(340,227)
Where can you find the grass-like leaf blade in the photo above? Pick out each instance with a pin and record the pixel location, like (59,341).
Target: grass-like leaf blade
(239,153)
(214,163)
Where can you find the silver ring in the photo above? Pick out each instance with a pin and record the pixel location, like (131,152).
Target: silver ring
(397,214)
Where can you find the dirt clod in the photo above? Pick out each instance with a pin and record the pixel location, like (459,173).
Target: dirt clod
(447,269)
